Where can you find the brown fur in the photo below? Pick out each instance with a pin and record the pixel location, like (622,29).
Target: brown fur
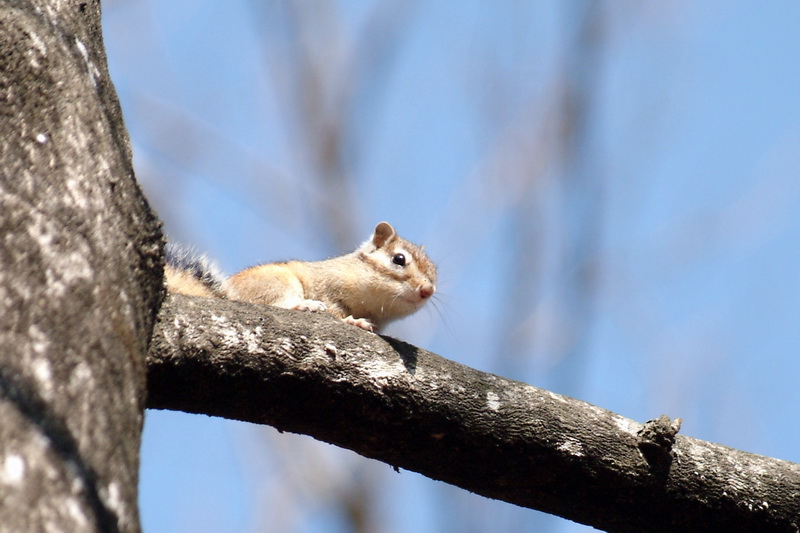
(365,287)
(182,282)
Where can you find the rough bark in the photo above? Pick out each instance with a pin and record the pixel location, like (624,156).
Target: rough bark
(412,409)
(80,259)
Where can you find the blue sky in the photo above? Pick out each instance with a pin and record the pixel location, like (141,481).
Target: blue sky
(689,158)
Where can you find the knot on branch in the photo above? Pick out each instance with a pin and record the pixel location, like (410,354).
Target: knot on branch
(656,439)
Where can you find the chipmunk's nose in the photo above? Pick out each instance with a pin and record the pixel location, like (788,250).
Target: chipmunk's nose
(426,291)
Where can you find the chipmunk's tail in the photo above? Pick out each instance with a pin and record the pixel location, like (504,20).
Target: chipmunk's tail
(192,273)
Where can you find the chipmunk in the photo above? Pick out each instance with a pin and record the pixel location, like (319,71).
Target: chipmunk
(386,278)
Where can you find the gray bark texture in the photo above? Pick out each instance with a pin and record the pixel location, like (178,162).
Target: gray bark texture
(80,279)
(412,409)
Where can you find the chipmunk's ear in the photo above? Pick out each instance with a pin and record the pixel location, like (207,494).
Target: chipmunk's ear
(384,232)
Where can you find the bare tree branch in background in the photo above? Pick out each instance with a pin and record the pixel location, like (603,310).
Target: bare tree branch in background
(569,167)
(583,190)
(327,85)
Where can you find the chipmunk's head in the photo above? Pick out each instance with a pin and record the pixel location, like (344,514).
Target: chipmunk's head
(409,275)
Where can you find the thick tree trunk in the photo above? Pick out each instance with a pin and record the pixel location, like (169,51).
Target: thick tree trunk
(80,262)
(503,439)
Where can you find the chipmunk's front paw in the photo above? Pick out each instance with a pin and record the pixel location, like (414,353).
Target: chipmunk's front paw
(315,306)
(362,323)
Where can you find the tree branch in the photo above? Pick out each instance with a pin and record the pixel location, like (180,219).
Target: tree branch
(412,409)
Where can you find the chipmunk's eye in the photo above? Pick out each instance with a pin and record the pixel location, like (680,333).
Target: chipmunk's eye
(399,259)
